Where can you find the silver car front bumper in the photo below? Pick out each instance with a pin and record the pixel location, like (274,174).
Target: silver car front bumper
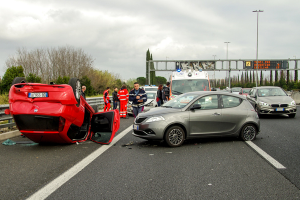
(267,110)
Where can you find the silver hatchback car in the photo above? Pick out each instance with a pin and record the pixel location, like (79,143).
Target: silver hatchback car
(198,114)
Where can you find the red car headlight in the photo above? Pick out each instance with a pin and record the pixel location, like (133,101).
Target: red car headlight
(61,124)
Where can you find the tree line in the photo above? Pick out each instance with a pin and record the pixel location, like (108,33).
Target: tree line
(247,79)
(58,65)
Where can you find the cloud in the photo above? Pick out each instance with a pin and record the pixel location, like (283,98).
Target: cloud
(118,33)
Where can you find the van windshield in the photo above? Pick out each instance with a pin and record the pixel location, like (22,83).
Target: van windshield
(184,86)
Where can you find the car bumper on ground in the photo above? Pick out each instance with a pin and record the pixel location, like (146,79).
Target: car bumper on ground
(266,110)
(152,130)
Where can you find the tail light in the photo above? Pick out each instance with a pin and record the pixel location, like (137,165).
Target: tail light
(61,124)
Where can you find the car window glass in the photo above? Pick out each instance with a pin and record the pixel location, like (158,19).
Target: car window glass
(180,101)
(230,101)
(150,95)
(250,93)
(268,92)
(208,102)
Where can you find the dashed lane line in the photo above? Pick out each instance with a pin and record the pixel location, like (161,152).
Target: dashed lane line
(266,156)
(51,187)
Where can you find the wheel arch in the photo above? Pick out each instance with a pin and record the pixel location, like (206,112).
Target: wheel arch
(246,123)
(176,124)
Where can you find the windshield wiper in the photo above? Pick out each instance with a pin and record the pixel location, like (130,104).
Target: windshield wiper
(166,106)
(177,92)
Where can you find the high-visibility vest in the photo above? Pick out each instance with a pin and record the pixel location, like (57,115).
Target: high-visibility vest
(123,95)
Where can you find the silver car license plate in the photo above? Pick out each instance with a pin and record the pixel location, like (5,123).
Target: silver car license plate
(135,127)
(38,95)
(279,109)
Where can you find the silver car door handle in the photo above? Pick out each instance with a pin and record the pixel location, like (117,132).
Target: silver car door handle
(217,114)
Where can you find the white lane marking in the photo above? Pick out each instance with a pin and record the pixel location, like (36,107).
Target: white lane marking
(48,189)
(274,162)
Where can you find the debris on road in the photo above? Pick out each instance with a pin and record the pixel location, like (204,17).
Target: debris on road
(9,142)
(128,144)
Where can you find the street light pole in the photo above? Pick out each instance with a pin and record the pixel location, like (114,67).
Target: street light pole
(227,64)
(257,11)
(215,71)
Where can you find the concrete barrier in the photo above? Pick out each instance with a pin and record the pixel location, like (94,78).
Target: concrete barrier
(7,135)
(296,96)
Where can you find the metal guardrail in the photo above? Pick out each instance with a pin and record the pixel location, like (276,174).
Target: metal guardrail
(3,117)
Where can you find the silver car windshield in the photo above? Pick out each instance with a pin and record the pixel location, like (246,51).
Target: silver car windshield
(150,95)
(269,92)
(236,89)
(180,101)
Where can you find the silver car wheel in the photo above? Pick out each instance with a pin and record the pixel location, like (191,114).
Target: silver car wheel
(249,133)
(175,136)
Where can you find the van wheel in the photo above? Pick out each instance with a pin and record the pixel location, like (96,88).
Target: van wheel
(76,86)
(175,136)
(18,80)
(248,132)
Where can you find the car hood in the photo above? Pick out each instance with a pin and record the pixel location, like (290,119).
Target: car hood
(159,111)
(276,99)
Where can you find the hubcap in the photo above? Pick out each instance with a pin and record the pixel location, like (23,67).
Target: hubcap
(78,89)
(249,133)
(175,136)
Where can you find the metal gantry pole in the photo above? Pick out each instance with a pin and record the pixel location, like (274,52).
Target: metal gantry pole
(257,11)
(227,62)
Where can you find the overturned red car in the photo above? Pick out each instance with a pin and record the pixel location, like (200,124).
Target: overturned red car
(58,113)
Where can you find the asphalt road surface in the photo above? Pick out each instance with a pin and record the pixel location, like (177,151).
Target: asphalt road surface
(133,168)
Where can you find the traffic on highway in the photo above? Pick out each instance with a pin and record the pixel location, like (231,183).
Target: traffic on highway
(234,144)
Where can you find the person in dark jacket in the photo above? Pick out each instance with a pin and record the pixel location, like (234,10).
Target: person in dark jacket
(83,88)
(115,98)
(159,98)
(138,97)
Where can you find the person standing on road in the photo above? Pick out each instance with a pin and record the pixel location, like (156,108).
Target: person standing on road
(106,99)
(166,92)
(138,97)
(123,97)
(159,99)
(115,99)
(83,88)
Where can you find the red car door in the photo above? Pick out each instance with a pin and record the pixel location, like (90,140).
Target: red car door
(104,125)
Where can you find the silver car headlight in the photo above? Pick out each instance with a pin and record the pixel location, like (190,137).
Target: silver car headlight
(263,104)
(155,119)
(293,103)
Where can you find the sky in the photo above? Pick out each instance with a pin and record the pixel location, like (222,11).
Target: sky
(117,34)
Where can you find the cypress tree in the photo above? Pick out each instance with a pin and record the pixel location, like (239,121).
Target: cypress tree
(276,75)
(287,77)
(253,77)
(271,77)
(261,78)
(296,75)
(250,78)
(147,59)
(152,73)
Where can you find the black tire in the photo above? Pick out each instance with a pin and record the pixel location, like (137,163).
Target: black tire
(95,107)
(76,86)
(292,115)
(248,132)
(174,137)
(18,80)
